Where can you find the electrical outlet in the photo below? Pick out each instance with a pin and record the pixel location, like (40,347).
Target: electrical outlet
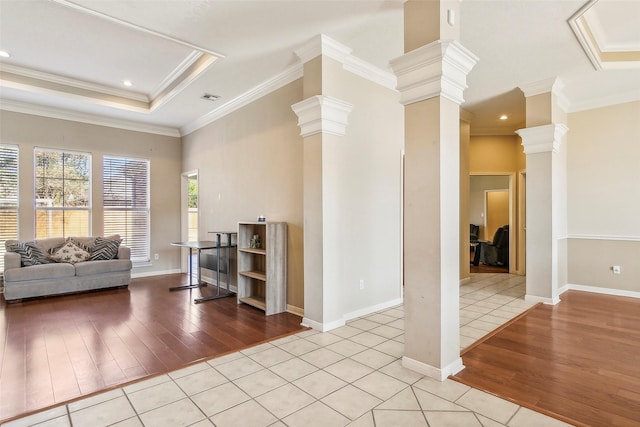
(361,284)
(616,269)
(156,256)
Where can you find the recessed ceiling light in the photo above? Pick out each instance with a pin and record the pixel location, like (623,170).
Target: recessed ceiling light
(504,117)
(210,97)
(127,83)
(4,54)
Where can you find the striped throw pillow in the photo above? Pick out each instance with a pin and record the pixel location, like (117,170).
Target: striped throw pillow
(104,249)
(30,253)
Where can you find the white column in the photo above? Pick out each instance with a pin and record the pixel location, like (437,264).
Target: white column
(431,81)
(541,146)
(322,120)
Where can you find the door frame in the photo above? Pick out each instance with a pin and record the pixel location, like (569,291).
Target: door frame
(184,214)
(513,253)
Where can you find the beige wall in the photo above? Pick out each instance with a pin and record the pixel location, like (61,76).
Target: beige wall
(502,155)
(362,174)
(250,163)
(603,202)
(164,153)
(479,184)
(490,154)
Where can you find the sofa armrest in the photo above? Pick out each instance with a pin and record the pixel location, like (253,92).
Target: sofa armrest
(124,252)
(12,260)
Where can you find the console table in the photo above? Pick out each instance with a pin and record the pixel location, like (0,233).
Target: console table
(198,247)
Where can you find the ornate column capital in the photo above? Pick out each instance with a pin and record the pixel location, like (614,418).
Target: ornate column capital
(322,114)
(439,68)
(542,139)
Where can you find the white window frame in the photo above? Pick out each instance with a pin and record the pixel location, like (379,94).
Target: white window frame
(140,252)
(9,180)
(37,208)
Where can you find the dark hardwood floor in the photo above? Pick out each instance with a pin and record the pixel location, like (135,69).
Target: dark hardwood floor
(60,348)
(578,360)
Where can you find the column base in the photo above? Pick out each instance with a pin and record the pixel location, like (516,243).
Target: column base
(439,374)
(536,299)
(322,327)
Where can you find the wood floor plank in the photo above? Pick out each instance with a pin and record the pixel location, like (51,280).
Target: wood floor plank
(578,360)
(60,348)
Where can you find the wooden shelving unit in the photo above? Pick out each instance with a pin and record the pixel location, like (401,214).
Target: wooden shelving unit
(262,272)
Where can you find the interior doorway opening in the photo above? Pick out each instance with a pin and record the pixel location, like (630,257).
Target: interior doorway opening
(189,217)
(492,205)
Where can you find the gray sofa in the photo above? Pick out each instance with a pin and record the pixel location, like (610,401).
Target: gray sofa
(54,278)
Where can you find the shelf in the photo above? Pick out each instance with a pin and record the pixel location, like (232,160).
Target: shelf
(254,251)
(262,272)
(259,275)
(254,301)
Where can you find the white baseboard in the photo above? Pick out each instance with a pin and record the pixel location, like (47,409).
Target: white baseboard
(439,374)
(372,309)
(600,290)
(153,273)
(322,327)
(537,299)
(295,310)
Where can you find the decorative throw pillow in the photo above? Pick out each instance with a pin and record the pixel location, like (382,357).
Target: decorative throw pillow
(104,249)
(78,243)
(70,253)
(39,256)
(30,253)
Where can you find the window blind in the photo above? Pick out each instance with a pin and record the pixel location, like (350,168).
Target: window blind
(8,196)
(126,203)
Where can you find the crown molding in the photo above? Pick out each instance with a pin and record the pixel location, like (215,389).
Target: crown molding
(182,68)
(73,83)
(325,45)
(58,113)
(604,101)
(542,139)
(539,87)
(439,68)
(289,75)
(322,114)
(319,45)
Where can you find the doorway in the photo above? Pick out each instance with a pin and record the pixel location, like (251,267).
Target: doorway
(496,211)
(189,217)
(492,205)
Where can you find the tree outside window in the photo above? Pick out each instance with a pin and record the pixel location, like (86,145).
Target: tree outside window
(63,193)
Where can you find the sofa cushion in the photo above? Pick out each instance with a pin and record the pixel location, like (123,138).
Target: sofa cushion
(98,267)
(30,252)
(46,244)
(36,272)
(71,253)
(104,249)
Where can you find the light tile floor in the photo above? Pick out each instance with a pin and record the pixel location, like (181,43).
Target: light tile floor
(349,376)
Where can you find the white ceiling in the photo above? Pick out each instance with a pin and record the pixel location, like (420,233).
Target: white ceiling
(69,58)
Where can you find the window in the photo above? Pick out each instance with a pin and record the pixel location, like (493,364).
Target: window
(63,193)
(8,196)
(126,203)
